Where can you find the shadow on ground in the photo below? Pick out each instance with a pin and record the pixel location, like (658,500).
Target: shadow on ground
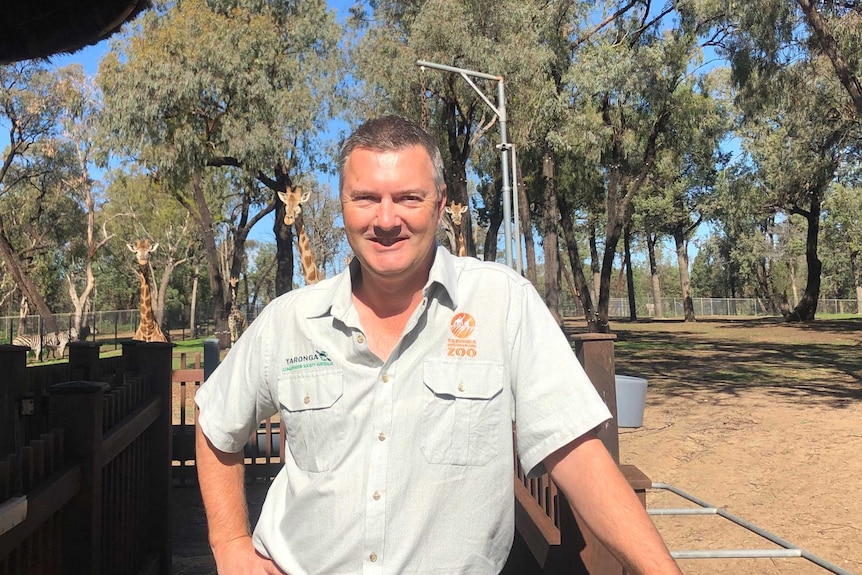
(683,362)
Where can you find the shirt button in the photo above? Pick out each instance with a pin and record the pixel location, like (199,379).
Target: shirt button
(381,436)
(385,378)
(461,387)
(372,557)
(306,400)
(376,496)
(360,338)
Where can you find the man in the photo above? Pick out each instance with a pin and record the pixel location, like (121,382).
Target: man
(397,383)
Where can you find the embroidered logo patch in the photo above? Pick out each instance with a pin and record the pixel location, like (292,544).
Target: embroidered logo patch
(315,359)
(462,325)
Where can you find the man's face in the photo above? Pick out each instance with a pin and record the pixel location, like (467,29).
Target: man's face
(391,211)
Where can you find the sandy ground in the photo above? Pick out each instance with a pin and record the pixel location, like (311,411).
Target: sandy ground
(783,452)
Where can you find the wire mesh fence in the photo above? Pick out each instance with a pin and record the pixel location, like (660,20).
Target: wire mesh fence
(673,307)
(112,327)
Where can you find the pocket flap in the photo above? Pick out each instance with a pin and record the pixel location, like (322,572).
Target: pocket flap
(467,379)
(311,391)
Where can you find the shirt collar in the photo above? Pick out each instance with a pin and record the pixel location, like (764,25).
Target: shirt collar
(337,301)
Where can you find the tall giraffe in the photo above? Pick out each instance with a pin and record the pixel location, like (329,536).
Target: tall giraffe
(236,319)
(293,199)
(149,329)
(455,211)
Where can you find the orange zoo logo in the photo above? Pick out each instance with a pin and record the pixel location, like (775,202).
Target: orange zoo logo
(462,325)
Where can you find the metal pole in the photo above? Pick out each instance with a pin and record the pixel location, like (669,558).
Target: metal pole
(500,110)
(504,157)
(519,258)
(790,550)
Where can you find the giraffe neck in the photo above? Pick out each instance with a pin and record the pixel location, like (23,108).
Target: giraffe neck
(148,330)
(462,246)
(309,267)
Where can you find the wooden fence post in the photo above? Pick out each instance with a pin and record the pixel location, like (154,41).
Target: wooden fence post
(84,360)
(13,365)
(76,407)
(595,351)
(154,360)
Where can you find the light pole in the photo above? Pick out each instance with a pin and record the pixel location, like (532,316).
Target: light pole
(500,111)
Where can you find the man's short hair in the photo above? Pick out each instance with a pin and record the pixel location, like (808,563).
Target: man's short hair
(391,134)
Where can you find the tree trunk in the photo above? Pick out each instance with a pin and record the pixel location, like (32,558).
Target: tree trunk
(495,219)
(791,265)
(577,264)
(807,307)
(630,278)
(283,237)
(526,228)
(458,131)
(857,279)
(194,303)
(830,48)
(23,281)
(684,278)
(595,264)
(205,226)
(550,243)
(658,313)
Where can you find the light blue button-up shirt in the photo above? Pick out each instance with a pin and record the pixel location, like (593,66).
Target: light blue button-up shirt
(401,466)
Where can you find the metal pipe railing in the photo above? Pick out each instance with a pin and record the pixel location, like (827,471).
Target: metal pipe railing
(789,549)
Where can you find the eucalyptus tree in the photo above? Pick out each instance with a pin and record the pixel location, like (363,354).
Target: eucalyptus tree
(627,87)
(843,231)
(34,212)
(799,139)
(502,38)
(81,107)
(674,199)
(765,36)
(232,86)
(132,214)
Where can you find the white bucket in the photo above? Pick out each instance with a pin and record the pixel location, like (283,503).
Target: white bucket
(631,400)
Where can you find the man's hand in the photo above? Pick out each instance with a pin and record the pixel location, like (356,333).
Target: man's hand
(239,557)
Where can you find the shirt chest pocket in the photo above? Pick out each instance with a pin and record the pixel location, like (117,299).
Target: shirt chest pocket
(462,412)
(312,416)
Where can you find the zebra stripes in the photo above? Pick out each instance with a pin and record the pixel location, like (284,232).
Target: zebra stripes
(54,342)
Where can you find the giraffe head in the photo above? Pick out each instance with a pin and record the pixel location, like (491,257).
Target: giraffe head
(142,250)
(456,210)
(293,199)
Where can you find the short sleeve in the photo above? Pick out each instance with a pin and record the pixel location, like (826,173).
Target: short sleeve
(238,394)
(555,402)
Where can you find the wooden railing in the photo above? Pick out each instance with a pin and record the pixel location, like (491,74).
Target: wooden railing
(92,495)
(263,451)
(550,538)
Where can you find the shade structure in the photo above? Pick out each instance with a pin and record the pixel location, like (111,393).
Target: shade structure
(41,28)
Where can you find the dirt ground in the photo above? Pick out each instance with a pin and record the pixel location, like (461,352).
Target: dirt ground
(760,418)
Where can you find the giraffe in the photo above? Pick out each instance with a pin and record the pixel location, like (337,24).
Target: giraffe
(148,330)
(236,320)
(455,211)
(293,198)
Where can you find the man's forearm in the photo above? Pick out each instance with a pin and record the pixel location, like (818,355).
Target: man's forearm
(596,489)
(220,476)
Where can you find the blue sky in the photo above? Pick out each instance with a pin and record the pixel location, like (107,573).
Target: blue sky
(90,57)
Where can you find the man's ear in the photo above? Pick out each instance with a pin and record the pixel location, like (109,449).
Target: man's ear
(442,206)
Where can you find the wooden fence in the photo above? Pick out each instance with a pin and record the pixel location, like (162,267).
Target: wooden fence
(85,487)
(549,538)
(263,451)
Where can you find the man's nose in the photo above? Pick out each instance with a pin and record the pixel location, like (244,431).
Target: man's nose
(387,214)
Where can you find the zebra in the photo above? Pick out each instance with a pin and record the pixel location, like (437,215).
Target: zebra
(33,341)
(55,342)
